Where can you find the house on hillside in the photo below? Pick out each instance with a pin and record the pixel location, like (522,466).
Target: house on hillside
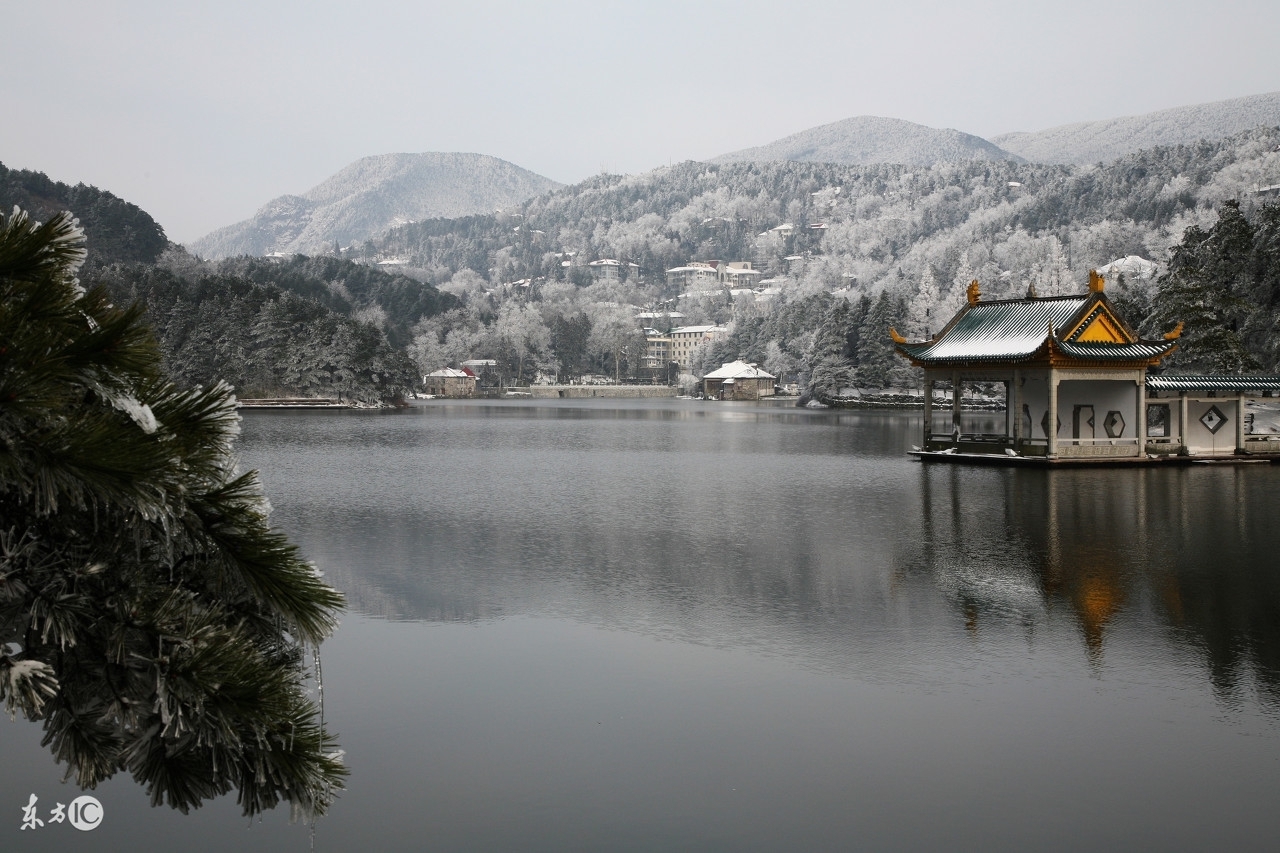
(450,382)
(739,274)
(738,380)
(685,339)
(657,350)
(1078,385)
(611,270)
(693,276)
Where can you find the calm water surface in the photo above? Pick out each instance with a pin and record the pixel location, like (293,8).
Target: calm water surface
(648,625)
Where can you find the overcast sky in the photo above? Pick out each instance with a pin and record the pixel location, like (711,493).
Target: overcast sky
(202,112)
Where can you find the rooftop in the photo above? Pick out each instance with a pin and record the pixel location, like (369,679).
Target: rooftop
(1081,327)
(1166,382)
(739,370)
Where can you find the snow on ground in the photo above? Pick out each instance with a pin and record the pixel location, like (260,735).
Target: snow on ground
(1266,416)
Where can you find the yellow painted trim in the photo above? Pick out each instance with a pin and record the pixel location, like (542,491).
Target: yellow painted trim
(1103,330)
(1100,327)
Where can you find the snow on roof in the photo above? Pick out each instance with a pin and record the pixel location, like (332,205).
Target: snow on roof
(1168,382)
(1131,266)
(449,372)
(694,330)
(739,370)
(1007,329)
(1013,329)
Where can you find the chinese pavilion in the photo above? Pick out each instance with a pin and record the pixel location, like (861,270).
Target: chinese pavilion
(1076,382)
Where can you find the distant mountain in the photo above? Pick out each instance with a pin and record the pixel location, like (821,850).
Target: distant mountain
(1095,141)
(373,195)
(865,140)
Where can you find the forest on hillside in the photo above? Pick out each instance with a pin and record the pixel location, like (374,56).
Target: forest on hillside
(307,326)
(844,252)
(866,245)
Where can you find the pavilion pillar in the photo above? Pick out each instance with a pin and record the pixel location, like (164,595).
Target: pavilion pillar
(1142,416)
(928,413)
(1240,422)
(955,405)
(1051,422)
(1008,409)
(1182,423)
(1015,408)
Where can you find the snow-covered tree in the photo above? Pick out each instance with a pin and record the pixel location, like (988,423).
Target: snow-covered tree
(150,618)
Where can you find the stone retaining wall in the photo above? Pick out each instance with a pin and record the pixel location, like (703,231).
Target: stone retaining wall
(579,392)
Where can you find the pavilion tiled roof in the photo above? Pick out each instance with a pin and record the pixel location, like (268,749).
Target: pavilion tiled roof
(1010,330)
(1137,351)
(1166,382)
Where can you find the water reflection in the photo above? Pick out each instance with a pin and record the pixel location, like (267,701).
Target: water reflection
(808,535)
(1186,552)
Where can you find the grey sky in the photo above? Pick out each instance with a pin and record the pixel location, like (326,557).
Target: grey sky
(201,112)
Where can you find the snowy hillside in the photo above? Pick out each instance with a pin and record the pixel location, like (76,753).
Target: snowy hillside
(1095,141)
(865,140)
(375,194)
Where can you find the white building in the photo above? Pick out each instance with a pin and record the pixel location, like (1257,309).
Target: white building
(611,270)
(686,338)
(694,276)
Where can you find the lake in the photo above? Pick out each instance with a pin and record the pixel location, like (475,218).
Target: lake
(672,624)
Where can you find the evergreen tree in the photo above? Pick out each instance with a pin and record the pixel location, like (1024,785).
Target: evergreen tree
(832,365)
(878,364)
(923,312)
(1204,290)
(149,617)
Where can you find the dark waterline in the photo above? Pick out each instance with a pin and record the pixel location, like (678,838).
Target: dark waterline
(640,625)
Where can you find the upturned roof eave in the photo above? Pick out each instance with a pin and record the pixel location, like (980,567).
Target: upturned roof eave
(1048,354)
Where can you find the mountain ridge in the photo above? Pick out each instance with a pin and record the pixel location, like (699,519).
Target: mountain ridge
(372,195)
(1082,143)
(866,140)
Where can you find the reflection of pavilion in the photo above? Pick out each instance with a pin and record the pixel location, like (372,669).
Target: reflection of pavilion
(1076,385)
(1014,547)
(1179,555)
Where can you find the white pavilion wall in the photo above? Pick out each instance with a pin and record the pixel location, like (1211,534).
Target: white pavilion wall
(1104,396)
(1117,396)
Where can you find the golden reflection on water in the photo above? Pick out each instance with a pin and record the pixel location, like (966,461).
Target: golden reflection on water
(1186,552)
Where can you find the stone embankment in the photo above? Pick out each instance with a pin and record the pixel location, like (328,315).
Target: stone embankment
(579,392)
(901,400)
(294,403)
